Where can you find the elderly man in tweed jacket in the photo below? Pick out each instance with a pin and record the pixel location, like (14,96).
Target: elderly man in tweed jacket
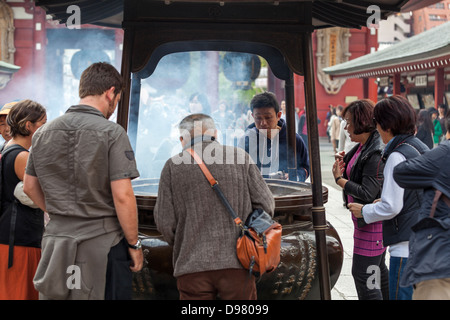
(192,219)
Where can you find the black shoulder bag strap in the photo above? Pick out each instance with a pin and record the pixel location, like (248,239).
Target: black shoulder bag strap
(12,228)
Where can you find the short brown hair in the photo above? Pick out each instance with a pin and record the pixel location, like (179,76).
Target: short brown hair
(361,112)
(98,78)
(23,111)
(397,114)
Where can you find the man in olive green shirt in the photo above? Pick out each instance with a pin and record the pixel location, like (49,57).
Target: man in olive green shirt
(79,171)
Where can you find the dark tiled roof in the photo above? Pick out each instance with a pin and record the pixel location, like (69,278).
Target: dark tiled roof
(325,13)
(100,12)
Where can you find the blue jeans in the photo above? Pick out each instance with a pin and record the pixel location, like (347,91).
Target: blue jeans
(396,267)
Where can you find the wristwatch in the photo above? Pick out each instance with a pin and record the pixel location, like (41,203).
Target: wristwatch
(137,246)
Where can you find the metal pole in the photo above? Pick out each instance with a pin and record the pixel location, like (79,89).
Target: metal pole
(318,210)
(290,124)
(134,110)
(122,111)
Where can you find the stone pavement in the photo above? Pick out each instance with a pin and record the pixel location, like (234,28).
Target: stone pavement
(339,217)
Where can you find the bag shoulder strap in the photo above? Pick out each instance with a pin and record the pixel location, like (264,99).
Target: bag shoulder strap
(438,194)
(215,185)
(203,167)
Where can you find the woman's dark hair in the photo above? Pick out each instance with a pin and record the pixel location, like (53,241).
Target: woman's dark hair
(333,111)
(203,100)
(23,111)
(98,78)
(361,112)
(424,119)
(397,114)
(433,110)
(444,107)
(265,100)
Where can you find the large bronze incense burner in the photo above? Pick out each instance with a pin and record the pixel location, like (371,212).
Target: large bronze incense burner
(296,276)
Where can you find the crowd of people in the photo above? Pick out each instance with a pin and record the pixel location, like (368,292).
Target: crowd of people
(389,180)
(68,209)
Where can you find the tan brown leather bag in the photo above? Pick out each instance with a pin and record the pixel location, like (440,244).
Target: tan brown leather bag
(259,244)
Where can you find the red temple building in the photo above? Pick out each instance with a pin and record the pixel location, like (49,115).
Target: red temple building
(46,52)
(417,67)
(43,54)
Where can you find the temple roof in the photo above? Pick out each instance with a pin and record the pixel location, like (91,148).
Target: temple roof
(325,13)
(8,67)
(431,46)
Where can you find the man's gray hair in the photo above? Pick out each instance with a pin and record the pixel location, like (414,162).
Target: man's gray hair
(196,124)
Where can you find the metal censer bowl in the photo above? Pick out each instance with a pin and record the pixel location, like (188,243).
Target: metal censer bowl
(297,274)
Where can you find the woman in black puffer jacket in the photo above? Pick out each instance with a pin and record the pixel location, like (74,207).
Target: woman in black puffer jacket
(360,174)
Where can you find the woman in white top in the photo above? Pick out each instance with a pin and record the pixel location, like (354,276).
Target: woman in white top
(398,208)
